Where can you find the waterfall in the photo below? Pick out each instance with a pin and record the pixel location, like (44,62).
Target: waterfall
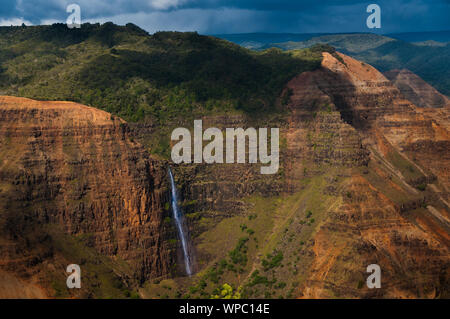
(179,222)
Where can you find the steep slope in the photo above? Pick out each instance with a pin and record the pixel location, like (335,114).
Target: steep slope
(416,90)
(69,169)
(133,74)
(381,212)
(368,101)
(157,79)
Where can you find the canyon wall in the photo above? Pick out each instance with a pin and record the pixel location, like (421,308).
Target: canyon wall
(392,212)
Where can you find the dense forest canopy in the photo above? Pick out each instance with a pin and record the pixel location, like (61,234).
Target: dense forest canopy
(133,74)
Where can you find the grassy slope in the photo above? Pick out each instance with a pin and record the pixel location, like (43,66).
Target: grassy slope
(264,252)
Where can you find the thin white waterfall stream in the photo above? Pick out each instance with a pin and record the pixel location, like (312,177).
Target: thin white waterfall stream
(179,222)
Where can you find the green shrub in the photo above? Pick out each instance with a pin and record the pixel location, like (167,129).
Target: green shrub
(272,261)
(239,254)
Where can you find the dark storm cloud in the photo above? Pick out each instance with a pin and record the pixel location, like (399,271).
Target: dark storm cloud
(220,16)
(7,8)
(270,5)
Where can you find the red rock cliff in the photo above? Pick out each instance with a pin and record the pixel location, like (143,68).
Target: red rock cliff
(76,167)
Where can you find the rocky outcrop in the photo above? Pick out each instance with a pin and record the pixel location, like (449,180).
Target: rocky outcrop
(217,190)
(417,90)
(76,167)
(317,134)
(376,109)
(14,288)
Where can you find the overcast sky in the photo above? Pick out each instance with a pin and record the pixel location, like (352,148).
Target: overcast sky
(238,16)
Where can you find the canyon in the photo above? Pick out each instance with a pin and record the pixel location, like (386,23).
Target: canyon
(363,179)
(357,156)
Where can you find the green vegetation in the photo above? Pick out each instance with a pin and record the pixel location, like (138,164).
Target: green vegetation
(128,72)
(429,62)
(322,47)
(421,187)
(270,229)
(239,254)
(407,168)
(257,279)
(170,76)
(227,293)
(354,43)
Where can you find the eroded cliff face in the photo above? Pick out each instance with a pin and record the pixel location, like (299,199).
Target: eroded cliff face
(416,89)
(69,169)
(388,122)
(393,210)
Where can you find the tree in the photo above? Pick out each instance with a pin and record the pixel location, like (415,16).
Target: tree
(227,293)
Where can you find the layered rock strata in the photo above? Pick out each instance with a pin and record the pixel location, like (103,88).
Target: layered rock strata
(77,168)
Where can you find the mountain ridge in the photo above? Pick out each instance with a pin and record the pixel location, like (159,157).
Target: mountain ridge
(426,59)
